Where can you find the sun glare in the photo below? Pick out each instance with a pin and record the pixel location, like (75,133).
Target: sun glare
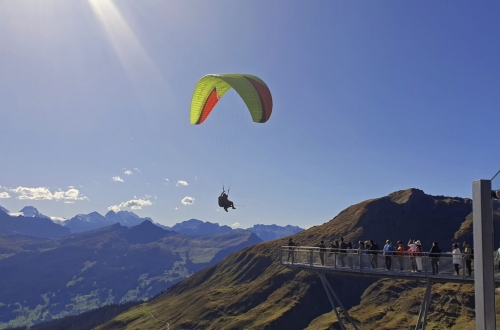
(139,67)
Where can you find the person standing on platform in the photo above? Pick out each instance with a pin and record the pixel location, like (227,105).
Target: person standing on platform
(349,251)
(411,251)
(361,252)
(334,248)
(418,256)
(400,253)
(468,256)
(343,247)
(388,250)
(374,248)
(457,258)
(291,252)
(322,250)
(434,254)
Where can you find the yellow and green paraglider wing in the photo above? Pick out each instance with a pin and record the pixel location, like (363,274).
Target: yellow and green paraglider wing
(212,87)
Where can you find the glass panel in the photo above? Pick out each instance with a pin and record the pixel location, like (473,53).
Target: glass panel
(495,181)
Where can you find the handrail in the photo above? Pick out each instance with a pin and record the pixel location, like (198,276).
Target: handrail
(425,264)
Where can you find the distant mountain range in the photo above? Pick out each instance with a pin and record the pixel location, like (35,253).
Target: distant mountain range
(265,232)
(53,268)
(30,226)
(51,278)
(94,220)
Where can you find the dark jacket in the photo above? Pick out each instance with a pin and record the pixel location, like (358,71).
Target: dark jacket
(334,247)
(343,247)
(435,252)
(374,248)
(322,248)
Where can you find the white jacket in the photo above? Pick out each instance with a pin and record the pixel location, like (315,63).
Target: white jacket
(457,256)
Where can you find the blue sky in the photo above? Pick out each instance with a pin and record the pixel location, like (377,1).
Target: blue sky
(369,98)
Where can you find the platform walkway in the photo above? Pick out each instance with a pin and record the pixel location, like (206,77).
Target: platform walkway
(361,264)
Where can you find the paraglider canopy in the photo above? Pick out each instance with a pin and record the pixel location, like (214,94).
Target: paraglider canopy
(212,87)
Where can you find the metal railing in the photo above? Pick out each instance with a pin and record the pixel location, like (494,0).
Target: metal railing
(362,261)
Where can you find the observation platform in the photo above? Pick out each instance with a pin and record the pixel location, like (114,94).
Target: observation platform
(361,264)
(358,263)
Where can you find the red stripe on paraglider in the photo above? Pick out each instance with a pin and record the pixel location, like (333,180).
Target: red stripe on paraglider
(210,103)
(265,98)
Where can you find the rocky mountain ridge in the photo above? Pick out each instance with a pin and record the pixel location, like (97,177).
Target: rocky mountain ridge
(94,220)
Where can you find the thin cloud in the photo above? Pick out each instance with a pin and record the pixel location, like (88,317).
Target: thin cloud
(235,225)
(42,193)
(134,204)
(117,179)
(4,195)
(136,169)
(128,172)
(187,200)
(181,183)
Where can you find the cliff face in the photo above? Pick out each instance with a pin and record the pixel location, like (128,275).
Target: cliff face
(249,288)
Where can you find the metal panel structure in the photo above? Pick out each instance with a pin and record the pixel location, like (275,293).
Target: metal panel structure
(484,281)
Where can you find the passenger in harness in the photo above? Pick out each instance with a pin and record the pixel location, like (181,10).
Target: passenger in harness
(225,202)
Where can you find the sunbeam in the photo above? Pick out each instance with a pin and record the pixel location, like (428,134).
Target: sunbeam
(141,70)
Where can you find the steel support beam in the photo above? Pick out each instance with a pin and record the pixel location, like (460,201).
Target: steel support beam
(424,308)
(330,297)
(341,305)
(484,281)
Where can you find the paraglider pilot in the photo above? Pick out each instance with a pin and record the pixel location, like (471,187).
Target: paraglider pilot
(225,202)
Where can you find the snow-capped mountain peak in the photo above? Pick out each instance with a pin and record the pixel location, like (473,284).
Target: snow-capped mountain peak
(29,212)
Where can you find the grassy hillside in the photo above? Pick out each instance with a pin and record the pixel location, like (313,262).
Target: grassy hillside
(250,290)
